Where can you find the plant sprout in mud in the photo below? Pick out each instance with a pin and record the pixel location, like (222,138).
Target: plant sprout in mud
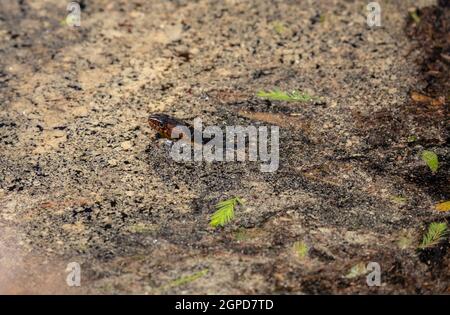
(414,16)
(436,232)
(405,240)
(279,27)
(225,212)
(300,249)
(278,95)
(356,271)
(187,279)
(431,159)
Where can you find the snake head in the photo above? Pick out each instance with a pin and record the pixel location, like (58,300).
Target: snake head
(157,120)
(165,125)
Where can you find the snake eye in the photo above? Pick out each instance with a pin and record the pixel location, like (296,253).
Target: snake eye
(156,121)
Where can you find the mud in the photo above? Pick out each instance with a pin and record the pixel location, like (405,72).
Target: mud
(83,178)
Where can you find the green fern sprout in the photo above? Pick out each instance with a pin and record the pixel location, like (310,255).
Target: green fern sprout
(436,232)
(406,239)
(356,271)
(187,279)
(279,27)
(278,95)
(225,212)
(301,249)
(415,16)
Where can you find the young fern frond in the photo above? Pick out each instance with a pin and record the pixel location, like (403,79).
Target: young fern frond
(356,271)
(279,27)
(278,95)
(186,279)
(225,212)
(301,249)
(436,231)
(415,17)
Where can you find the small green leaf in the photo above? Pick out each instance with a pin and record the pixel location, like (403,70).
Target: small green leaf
(415,16)
(436,231)
(412,138)
(277,95)
(244,235)
(356,271)
(405,240)
(399,200)
(187,279)
(431,159)
(279,27)
(142,228)
(225,212)
(241,235)
(301,249)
